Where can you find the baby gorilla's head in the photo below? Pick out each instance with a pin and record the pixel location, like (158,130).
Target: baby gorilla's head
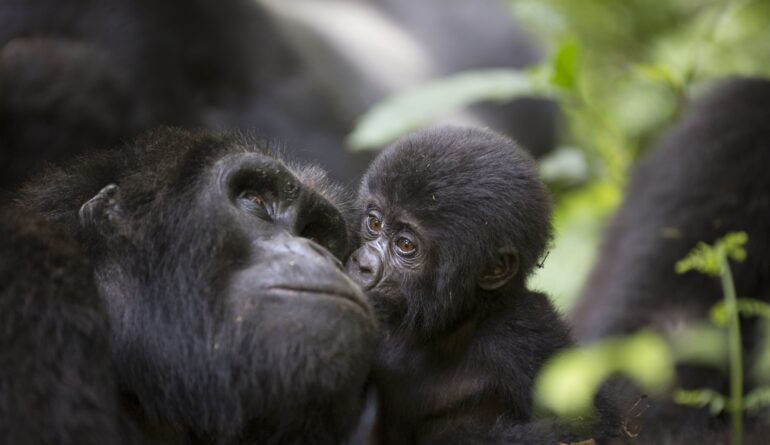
(448,215)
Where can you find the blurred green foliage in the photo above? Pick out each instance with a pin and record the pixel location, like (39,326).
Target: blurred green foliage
(639,62)
(636,65)
(568,383)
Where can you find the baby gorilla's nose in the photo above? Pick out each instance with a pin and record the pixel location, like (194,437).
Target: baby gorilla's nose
(364,267)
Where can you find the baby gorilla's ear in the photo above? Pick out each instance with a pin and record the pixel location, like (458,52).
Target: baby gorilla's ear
(501,270)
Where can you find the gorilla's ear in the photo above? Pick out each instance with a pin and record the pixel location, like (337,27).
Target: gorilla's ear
(501,270)
(101,212)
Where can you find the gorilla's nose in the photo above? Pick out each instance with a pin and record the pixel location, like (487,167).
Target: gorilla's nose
(364,267)
(327,255)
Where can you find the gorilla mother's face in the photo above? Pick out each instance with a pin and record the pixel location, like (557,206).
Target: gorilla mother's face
(230,309)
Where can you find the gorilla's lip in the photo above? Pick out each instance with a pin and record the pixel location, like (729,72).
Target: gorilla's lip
(319,292)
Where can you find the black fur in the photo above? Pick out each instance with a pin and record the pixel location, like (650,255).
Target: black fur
(57,385)
(227,324)
(456,362)
(707,178)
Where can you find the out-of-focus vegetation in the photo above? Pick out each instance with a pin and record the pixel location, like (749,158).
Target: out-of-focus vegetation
(622,72)
(714,261)
(569,382)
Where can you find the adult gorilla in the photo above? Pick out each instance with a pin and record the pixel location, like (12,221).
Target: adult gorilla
(231,320)
(707,178)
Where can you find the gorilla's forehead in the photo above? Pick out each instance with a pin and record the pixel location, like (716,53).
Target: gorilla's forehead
(433,197)
(188,155)
(254,161)
(162,162)
(435,214)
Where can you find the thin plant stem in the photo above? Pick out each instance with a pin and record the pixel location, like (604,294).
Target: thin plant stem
(736,358)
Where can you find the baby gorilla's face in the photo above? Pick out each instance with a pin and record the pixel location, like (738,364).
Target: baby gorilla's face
(393,256)
(409,268)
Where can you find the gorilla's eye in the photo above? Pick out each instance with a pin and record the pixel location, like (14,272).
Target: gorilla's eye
(253,202)
(405,246)
(253,197)
(374,224)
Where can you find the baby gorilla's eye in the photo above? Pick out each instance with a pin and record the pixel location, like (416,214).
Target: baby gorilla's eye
(405,246)
(374,224)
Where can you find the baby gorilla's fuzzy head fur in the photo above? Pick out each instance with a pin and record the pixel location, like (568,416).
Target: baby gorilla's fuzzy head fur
(468,192)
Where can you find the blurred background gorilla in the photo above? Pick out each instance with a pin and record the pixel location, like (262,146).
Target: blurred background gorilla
(80,75)
(708,177)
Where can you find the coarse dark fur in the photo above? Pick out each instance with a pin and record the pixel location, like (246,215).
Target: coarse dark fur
(457,357)
(57,385)
(227,324)
(708,177)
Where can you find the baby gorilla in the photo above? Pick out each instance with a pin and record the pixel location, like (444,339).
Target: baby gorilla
(454,221)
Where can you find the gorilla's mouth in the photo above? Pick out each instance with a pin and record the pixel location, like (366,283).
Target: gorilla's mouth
(298,291)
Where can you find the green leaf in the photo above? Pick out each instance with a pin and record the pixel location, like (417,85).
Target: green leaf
(417,107)
(708,259)
(733,244)
(565,66)
(701,397)
(746,306)
(702,258)
(757,399)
